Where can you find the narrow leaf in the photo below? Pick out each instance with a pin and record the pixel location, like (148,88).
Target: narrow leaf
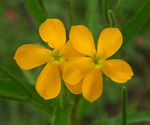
(139,117)
(137,22)
(36,11)
(11,90)
(136,117)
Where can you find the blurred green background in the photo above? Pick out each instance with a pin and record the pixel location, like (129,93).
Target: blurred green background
(17,27)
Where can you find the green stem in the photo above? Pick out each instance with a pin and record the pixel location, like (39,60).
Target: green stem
(62,100)
(111,18)
(124,105)
(69,6)
(63,96)
(92,17)
(105,9)
(74,113)
(119,5)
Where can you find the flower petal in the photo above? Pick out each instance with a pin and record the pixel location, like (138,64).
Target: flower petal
(53,32)
(76,69)
(82,40)
(92,86)
(117,70)
(69,52)
(30,56)
(75,89)
(110,40)
(48,84)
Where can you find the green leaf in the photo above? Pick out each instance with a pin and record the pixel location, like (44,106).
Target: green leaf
(36,11)
(135,117)
(105,120)
(132,107)
(11,90)
(139,117)
(136,22)
(15,89)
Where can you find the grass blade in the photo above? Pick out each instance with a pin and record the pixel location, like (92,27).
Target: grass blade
(136,23)
(34,8)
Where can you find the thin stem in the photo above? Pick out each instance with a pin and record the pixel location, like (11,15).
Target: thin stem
(111,18)
(105,8)
(124,105)
(74,116)
(63,96)
(119,5)
(69,6)
(92,17)
(62,100)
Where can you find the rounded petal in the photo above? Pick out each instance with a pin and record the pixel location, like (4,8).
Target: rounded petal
(48,84)
(75,89)
(92,86)
(110,40)
(30,56)
(76,69)
(117,70)
(53,32)
(82,40)
(69,52)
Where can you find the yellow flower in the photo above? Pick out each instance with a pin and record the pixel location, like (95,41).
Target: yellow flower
(85,72)
(29,56)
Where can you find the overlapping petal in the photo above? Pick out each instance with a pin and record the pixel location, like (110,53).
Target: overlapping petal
(75,89)
(53,32)
(76,69)
(49,82)
(110,40)
(69,52)
(92,86)
(117,70)
(82,40)
(30,56)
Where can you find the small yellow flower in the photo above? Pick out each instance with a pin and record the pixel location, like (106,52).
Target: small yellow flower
(85,72)
(29,56)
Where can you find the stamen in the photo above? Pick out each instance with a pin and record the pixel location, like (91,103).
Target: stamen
(98,62)
(57,57)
